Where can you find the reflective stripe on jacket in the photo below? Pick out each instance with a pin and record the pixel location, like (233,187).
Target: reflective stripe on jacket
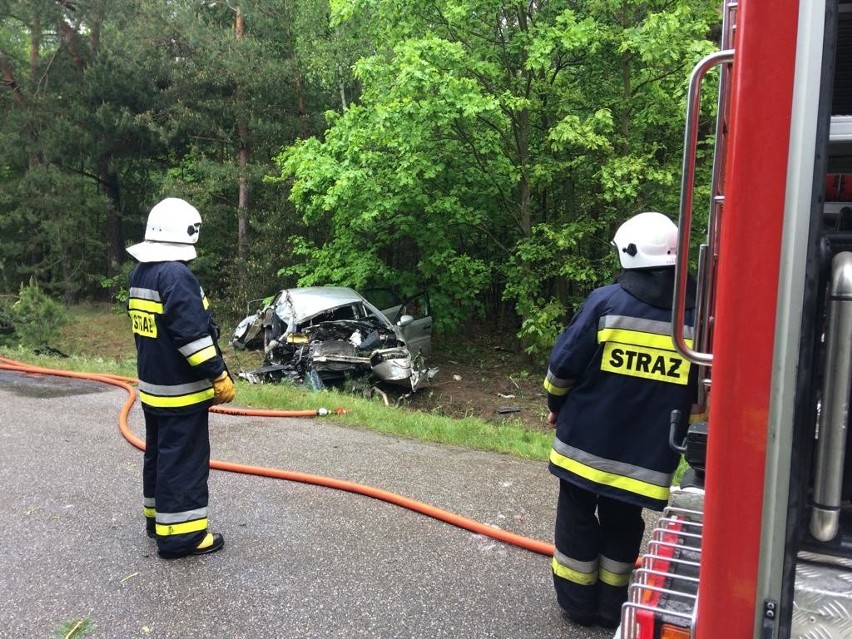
(614,378)
(177,353)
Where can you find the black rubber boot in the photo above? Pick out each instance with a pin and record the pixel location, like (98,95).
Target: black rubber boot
(211,543)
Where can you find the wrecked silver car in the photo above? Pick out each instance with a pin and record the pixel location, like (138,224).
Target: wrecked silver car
(325,335)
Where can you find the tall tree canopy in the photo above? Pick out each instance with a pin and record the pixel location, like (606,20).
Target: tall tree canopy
(109,106)
(483,150)
(496,146)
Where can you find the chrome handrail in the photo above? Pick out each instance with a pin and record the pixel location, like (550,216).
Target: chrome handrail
(685,215)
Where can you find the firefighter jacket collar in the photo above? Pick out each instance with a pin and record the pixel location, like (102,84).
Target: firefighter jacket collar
(655,286)
(149,251)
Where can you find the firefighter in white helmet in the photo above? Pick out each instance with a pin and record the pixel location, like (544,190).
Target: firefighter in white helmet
(613,379)
(181,374)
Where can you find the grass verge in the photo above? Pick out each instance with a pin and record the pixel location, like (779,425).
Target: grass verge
(371,415)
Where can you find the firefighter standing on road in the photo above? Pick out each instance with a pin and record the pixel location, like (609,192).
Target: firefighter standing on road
(613,379)
(181,374)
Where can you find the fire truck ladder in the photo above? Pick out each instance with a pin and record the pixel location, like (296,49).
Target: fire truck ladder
(664,590)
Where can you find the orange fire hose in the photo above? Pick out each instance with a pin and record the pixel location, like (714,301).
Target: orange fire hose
(477,527)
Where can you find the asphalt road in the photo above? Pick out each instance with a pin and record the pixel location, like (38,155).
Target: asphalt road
(300,561)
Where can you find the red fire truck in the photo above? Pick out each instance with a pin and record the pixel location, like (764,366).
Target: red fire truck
(763,547)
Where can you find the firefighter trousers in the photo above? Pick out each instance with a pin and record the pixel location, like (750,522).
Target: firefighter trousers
(174,479)
(597,543)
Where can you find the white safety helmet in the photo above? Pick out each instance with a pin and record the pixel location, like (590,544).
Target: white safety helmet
(646,240)
(170,234)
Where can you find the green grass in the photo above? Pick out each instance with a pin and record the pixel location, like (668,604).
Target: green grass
(368,414)
(98,340)
(75,628)
(392,420)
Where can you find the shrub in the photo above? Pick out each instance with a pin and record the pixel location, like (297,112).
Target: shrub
(540,328)
(7,324)
(37,319)
(117,285)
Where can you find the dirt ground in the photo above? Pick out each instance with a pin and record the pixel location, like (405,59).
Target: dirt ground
(486,376)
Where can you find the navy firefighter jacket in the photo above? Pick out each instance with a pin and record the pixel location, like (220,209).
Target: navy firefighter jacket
(613,380)
(177,352)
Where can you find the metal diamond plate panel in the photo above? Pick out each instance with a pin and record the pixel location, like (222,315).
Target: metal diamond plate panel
(822,606)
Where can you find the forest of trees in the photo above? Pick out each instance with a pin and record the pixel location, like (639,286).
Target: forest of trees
(483,150)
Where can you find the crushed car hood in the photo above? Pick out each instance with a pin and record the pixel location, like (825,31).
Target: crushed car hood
(305,303)
(326,335)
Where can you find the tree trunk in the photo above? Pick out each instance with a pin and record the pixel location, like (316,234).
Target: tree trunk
(115,237)
(243,160)
(243,198)
(304,132)
(627,87)
(627,91)
(522,138)
(341,88)
(35,53)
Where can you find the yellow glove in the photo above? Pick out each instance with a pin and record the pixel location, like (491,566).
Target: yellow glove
(223,389)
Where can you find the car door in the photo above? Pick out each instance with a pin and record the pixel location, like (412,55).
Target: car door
(412,317)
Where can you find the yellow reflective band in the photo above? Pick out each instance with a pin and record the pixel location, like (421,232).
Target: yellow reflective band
(204,302)
(621,482)
(149,512)
(145,305)
(574,576)
(555,390)
(202,356)
(647,363)
(143,324)
(182,529)
(637,338)
(698,414)
(159,401)
(613,578)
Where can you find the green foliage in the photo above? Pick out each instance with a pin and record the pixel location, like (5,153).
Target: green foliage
(380,182)
(37,318)
(138,101)
(75,628)
(481,150)
(49,227)
(539,327)
(117,286)
(475,163)
(7,323)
